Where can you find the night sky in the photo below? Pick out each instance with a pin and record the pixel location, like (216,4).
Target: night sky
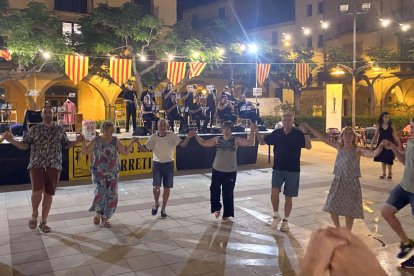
(264,12)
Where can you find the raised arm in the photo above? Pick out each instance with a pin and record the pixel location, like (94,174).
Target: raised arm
(125,149)
(190,135)
(88,149)
(367,152)
(391,146)
(18,144)
(321,137)
(241,142)
(260,138)
(206,143)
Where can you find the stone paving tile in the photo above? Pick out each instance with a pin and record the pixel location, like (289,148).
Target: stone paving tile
(191,241)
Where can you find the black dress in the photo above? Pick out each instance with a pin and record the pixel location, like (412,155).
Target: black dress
(386,156)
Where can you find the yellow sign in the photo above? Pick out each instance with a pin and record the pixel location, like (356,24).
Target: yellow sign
(132,164)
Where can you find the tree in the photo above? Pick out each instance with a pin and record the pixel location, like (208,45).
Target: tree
(284,73)
(128,32)
(27,34)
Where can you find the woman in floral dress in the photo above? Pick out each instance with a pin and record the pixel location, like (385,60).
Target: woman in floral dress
(105,171)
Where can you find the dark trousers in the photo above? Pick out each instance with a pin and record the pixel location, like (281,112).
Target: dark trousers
(252,115)
(198,117)
(148,119)
(211,112)
(131,110)
(174,116)
(228,118)
(222,181)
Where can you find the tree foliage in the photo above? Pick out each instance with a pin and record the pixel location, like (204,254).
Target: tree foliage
(29,32)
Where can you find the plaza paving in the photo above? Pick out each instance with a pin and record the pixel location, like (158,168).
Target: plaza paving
(190,241)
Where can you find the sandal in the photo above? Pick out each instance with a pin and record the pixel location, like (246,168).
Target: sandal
(33,222)
(383,176)
(97,219)
(106,223)
(389,176)
(225,220)
(44,227)
(217,214)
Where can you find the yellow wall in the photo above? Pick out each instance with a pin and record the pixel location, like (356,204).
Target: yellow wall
(90,103)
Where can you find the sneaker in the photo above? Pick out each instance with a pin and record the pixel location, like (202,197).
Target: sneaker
(285,226)
(163,214)
(408,263)
(154,209)
(275,222)
(405,248)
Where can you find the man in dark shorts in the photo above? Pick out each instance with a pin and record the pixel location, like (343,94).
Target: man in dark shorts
(46,142)
(287,145)
(401,196)
(162,144)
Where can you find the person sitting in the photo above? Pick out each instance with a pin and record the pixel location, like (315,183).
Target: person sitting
(196,111)
(149,109)
(225,110)
(150,92)
(247,110)
(172,112)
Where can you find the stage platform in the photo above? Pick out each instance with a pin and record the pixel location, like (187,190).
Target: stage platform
(13,162)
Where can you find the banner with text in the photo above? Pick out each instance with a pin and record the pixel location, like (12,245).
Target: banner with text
(132,164)
(334,106)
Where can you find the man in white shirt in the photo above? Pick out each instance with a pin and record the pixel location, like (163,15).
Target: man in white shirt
(163,144)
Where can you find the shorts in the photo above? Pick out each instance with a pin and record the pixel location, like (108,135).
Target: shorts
(290,181)
(164,172)
(399,198)
(44,179)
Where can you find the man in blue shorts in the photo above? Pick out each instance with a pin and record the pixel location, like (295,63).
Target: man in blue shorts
(401,196)
(287,145)
(163,144)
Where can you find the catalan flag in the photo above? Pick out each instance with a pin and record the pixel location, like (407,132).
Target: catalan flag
(302,72)
(120,70)
(196,68)
(262,72)
(4,53)
(176,71)
(76,67)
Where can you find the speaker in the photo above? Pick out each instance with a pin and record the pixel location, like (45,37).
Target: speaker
(140,131)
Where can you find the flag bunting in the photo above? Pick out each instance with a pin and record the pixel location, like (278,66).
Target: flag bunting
(176,71)
(262,72)
(302,72)
(76,67)
(120,70)
(196,68)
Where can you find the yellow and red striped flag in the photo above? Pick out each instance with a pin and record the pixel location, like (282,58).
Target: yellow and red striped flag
(196,68)
(76,67)
(302,72)
(120,70)
(176,71)
(262,72)
(4,53)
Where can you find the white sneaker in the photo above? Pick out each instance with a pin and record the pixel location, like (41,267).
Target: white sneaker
(285,226)
(275,222)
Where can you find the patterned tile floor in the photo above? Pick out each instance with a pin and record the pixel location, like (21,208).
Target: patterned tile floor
(190,241)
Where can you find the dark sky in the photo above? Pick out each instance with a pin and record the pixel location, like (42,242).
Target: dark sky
(259,12)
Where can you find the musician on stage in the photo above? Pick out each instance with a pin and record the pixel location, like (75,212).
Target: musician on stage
(196,111)
(130,98)
(211,104)
(149,110)
(188,97)
(171,106)
(150,92)
(225,110)
(247,110)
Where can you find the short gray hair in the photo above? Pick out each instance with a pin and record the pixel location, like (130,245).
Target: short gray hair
(106,124)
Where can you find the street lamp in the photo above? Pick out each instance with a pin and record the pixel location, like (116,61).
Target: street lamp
(345,10)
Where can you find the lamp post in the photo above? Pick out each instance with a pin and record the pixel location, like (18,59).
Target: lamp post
(345,10)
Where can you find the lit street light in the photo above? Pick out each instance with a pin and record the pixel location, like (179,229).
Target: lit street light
(345,10)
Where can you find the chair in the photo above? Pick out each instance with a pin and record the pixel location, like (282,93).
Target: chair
(245,122)
(119,116)
(13,117)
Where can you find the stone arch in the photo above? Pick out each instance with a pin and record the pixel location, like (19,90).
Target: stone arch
(18,96)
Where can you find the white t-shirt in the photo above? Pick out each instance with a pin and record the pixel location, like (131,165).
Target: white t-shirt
(163,147)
